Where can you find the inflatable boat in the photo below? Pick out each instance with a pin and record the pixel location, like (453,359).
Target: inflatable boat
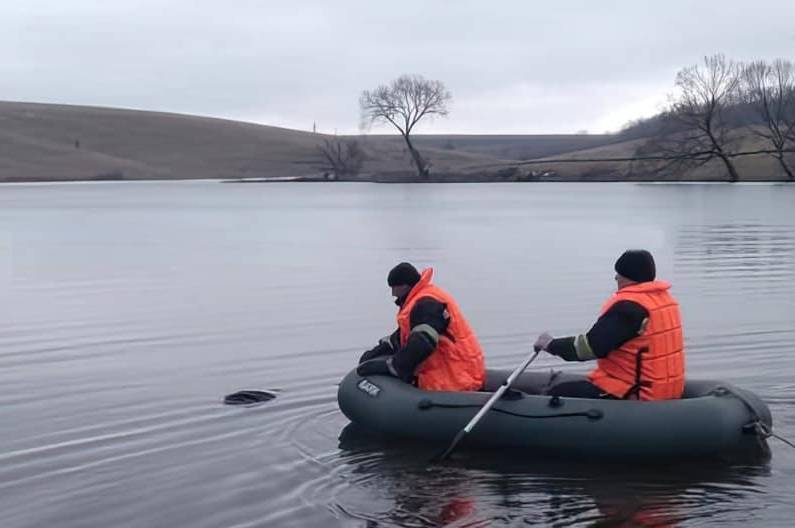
(712,418)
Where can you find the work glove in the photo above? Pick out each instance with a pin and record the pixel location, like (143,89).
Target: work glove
(383,348)
(542,342)
(375,367)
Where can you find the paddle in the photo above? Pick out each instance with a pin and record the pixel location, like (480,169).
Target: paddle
(489,404)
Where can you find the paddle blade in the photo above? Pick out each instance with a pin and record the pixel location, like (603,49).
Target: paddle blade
(446,453)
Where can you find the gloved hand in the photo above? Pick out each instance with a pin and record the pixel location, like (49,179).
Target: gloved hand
(543,341)
(383,348)
(374,367)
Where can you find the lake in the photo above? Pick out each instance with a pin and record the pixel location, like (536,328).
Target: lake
(130,309)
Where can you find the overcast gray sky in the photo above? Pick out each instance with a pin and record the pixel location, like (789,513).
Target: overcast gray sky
(512,66)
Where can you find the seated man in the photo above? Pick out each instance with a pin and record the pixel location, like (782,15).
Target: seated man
(434,346)
(637,340)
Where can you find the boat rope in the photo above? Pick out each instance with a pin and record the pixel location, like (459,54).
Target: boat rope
(758,425)
(591,414)
(763,430)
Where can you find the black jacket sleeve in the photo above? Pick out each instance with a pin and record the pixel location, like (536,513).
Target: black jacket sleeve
(624,320)
(386,347)
(428,320)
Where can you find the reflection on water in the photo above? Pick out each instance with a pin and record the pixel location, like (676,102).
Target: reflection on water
(127,311)
(534,491)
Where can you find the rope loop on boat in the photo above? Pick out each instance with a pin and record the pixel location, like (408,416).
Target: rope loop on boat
(591,414)
(764,431)
(758,426)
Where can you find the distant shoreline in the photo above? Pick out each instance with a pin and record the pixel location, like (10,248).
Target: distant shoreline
(66,143)
(388,181)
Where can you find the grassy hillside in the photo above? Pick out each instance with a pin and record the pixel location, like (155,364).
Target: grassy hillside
(60,142)
(750,168)
(514,147)
(57,142)
(40,142)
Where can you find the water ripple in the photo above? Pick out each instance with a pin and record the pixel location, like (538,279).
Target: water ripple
(115,355)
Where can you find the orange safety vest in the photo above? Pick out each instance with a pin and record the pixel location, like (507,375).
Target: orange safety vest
(652,365)
(457,363)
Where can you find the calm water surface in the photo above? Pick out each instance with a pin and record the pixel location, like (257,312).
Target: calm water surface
(128,310)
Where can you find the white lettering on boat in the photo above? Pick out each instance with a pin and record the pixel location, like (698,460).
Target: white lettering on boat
(370,388)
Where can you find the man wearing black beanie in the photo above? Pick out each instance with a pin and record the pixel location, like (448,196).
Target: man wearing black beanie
(637,340)
(403,274)
(636,265)
(434,346)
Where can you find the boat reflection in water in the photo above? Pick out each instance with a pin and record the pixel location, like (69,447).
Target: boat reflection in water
(509,487)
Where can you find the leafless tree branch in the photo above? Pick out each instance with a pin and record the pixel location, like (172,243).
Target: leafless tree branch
(404,103)
(770,90)
(695,127)
(344,158)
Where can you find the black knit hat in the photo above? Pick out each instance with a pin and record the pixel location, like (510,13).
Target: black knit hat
(403,274)
(636,265)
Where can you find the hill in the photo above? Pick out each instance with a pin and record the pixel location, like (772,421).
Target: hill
(516,147)
(40,142)
(43,142)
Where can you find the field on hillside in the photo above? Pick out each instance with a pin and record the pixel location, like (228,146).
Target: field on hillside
(580,165)
(507,147)
(60,142)
(42,142)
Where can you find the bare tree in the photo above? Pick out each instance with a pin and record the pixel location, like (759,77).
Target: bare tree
(403,103)
(696,128)
(770,90)
(344,158)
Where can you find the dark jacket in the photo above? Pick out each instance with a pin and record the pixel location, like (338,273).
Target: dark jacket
(387,357)
(622,322)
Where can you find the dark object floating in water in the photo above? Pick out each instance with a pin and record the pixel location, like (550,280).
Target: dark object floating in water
(247,397)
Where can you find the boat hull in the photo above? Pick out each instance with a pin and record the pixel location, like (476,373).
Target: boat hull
(713,418)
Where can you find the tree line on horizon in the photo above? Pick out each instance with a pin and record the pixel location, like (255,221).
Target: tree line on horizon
(714,105)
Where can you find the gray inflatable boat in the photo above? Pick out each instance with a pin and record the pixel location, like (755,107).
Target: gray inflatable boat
(712,419)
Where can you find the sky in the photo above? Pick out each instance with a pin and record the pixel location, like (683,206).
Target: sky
(513,67)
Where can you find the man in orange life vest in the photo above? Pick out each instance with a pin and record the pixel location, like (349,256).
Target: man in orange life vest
(637,340)
(434,346)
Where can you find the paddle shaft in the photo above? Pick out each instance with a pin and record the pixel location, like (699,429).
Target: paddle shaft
(489,404)
(499,392)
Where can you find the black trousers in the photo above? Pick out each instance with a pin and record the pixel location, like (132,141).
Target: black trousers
(579,389)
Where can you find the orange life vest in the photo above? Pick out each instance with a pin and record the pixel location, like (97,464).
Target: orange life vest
(652,365)
(457,363)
